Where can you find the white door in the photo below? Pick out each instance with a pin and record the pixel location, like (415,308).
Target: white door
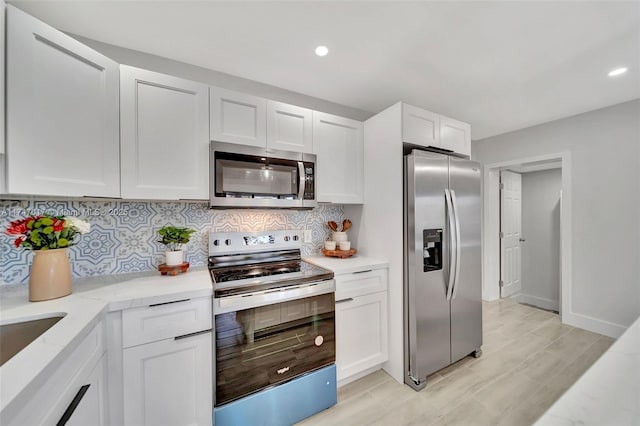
(338,143)
(510,233)
(361,333)
(169,382)
(164,124)
(289,127)
(62,113)
(420,127)
(238,118)
(455,135)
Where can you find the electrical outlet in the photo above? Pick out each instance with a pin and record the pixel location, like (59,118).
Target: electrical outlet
(308,236)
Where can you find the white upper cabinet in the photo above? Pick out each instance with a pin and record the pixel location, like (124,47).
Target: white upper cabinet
(339,146)
(420,127)
(62,113)
(3,8)
(455,135)
(238,118)
(428,129)
(164,124)
(289,127)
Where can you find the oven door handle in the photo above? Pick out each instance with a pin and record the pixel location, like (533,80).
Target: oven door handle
(223,305)
(302,179)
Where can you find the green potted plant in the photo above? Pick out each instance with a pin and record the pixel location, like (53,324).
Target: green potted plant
(174,237)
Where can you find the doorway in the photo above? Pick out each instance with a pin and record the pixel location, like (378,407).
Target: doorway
(530,234)
(493,251)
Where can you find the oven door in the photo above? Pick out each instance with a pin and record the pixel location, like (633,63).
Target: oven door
(266,345)
(246,176)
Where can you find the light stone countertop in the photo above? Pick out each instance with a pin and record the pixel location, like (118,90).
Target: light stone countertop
(608,393)
(82,310)
(348,265)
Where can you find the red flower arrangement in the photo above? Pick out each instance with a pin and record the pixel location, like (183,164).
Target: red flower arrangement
(45,232)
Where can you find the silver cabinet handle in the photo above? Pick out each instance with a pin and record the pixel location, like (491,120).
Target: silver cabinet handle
(452,252)
(458,248)
(522,240)
(362,272)
(344,300)
(169,303)
(197,333)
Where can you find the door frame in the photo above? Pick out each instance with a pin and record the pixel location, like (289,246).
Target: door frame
(491,227)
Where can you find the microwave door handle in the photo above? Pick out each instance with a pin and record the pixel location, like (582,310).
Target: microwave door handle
(301,180)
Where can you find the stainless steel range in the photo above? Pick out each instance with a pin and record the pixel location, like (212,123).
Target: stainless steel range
(274,329)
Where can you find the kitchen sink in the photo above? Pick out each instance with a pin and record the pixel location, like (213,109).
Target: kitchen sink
(16,336)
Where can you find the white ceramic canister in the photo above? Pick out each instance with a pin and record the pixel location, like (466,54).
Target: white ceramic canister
(339,236)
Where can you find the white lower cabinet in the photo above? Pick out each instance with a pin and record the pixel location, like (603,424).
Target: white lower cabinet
(88,406)
(361,322)
(361,333)
(73,393)
(169,382)
(162,361)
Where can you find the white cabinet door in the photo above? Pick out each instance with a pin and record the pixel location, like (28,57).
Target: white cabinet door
(289,127)
(238,118)
(361,333)
(169,382)
(455,135)
(3,8)
(420,127)
(164,124)
(339,146)
(92,408)
(62,113)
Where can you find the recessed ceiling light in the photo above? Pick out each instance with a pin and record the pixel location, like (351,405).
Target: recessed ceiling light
(617,71)
(322,50)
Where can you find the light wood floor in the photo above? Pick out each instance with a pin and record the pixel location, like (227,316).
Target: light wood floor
(529,360)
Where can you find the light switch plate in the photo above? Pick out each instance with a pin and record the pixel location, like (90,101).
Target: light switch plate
(308,236)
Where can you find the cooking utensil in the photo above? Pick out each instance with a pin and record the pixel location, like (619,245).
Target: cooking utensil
(346,225)
(333,225)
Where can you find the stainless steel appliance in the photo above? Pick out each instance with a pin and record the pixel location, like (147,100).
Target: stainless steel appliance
(274,330)
(253,177)
(442,279)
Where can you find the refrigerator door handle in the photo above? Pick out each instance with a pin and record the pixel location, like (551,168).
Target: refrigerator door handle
(452,243)
(457,221)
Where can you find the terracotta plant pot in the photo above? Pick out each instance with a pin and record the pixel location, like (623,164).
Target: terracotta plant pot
(175,258)
(50,276)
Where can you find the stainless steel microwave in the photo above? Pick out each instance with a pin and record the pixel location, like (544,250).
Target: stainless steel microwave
(244,176)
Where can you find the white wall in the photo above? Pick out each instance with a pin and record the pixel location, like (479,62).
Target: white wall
(216,78)
(541,231)
(605,176)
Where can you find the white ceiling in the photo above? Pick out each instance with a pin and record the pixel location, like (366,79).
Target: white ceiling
(500,66)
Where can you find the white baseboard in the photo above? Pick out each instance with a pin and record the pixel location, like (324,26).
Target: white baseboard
(359,375)
(592,324)
(551,305)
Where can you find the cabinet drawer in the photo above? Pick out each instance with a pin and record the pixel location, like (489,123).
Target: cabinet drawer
(164,321)
(360,283)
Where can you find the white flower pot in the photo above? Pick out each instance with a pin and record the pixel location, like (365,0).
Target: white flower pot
(175,258)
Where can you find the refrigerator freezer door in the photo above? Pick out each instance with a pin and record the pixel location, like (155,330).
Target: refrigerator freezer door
(427,340)
(466,305)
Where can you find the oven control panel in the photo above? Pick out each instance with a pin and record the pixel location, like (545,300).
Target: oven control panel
(242,242)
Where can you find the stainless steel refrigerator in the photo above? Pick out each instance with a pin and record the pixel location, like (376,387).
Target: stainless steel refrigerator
(442,279)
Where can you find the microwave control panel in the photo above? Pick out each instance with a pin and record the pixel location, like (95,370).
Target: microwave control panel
(309,181)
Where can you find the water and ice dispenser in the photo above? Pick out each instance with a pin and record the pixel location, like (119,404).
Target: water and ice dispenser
(432,249)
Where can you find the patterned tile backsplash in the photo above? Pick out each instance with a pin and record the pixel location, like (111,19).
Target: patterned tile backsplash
(123,236)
